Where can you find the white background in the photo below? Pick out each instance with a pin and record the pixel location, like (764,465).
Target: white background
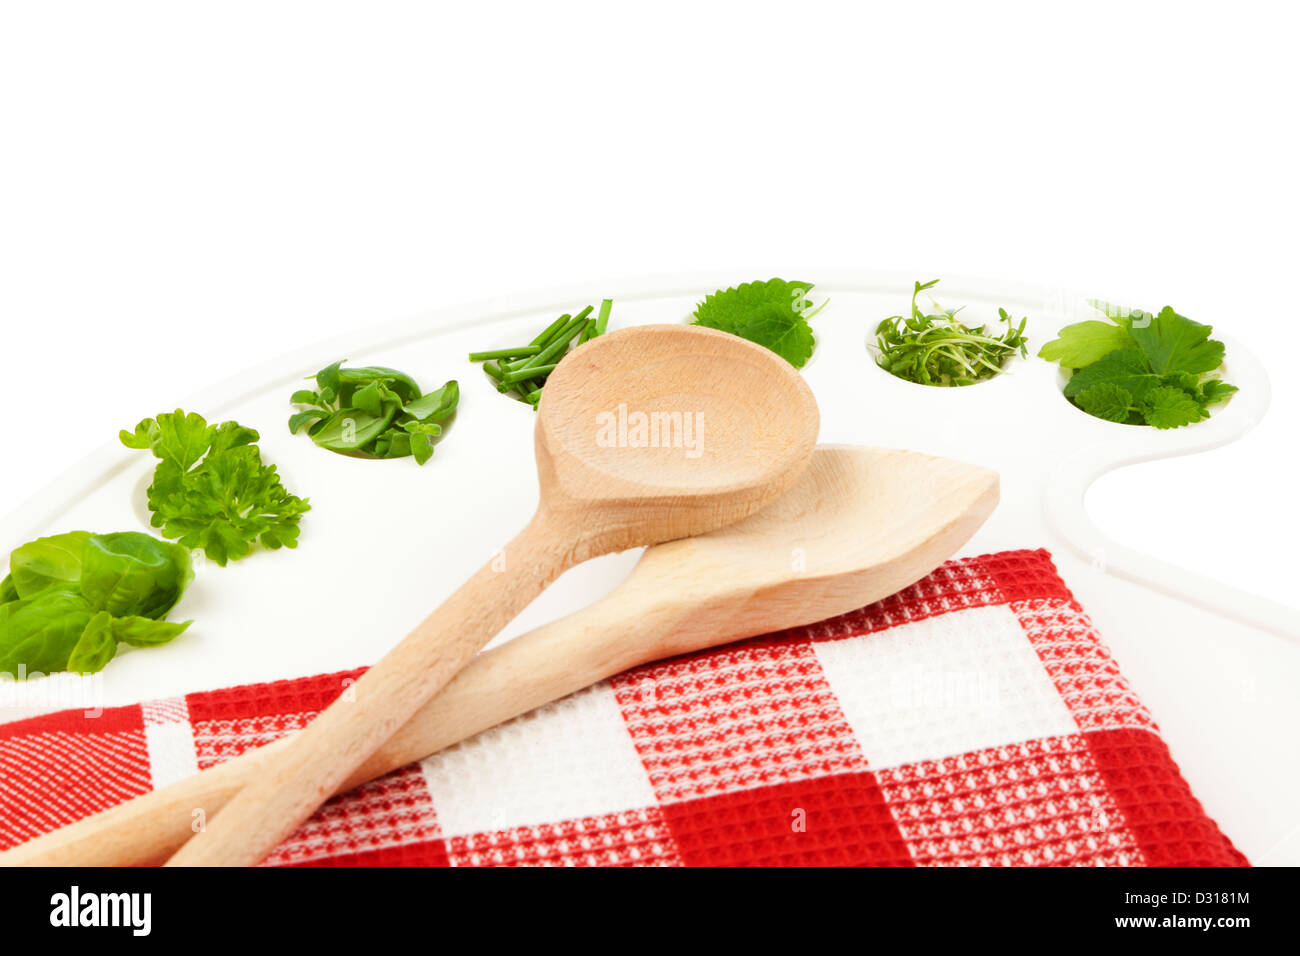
(189,189)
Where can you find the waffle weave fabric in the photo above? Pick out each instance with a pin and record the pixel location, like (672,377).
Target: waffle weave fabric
(974,718)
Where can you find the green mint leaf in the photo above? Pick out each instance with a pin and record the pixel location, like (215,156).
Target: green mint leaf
(1167,407)
(1108,401)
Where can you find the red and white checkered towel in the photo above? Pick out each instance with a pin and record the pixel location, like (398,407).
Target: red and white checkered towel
(973,718)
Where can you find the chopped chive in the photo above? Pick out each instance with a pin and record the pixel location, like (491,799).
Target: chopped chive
(550,330)
(521,351)
(588,331)
(557,346)
(524,374)
(602,319)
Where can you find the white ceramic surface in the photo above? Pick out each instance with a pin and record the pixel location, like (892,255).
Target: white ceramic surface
(387,541)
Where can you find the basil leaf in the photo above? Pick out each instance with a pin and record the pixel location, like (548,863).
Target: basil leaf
(47,562)
(145,632)
(96,646)
(130,573)
(38,634)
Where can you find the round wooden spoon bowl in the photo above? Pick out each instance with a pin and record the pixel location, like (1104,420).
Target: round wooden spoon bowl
(643,436)
(666,431)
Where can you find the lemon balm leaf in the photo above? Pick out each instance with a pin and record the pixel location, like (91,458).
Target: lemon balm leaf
(1108,401)
(1167,407)
(773,314)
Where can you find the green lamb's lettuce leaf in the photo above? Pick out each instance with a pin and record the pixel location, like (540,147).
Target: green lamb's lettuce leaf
(368,412)
(39,564)
(351,429)
(436,406)
(134,574)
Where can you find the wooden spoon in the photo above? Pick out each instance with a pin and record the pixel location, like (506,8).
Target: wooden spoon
(857,526)
(644,435)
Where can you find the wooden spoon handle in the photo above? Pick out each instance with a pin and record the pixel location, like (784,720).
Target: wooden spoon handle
(535,668)
(312,766)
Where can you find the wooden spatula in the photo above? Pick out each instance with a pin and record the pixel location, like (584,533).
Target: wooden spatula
(642,436)
(859,524)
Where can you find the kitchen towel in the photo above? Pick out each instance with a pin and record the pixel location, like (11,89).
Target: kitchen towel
(974,718)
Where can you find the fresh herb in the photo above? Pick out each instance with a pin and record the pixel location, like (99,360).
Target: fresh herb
(1141,369)
(70,599)
(373,412)
(211,489)
(774,314)
(936,349)
(522,370)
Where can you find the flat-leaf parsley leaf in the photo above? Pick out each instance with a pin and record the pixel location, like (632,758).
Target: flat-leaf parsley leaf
(211,489)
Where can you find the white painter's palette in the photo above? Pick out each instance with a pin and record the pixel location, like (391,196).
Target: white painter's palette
(386,541)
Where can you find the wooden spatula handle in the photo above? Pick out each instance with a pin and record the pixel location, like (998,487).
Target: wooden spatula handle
(534,669)
(312,766)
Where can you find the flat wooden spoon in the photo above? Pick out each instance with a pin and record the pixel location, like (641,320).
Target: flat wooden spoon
(859,524)
(645,435)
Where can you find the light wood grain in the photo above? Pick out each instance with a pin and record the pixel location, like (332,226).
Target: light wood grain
(859,524)
(597,494)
